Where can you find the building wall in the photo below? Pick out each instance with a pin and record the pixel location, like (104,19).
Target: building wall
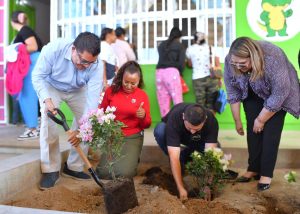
(42,22)
(2,42)
(290,47)
(289,44)
(242,28)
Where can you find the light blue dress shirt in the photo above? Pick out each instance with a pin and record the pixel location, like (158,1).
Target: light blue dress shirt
(56,68)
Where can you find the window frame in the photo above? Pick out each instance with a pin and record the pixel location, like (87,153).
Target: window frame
(142,15)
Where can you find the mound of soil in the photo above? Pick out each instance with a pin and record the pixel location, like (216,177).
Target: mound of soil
(64,199)
(153,191)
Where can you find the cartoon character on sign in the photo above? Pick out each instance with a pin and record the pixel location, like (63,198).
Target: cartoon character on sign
(274,16)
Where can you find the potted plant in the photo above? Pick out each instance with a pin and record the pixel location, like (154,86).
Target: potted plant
(208,170)
(100,130)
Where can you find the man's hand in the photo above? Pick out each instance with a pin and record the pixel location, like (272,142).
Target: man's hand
(50,106)
(174,153)
(73,139)
(183,195)
(105,86)
(140,113)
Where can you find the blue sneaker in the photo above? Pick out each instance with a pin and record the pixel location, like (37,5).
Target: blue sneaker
(49,180)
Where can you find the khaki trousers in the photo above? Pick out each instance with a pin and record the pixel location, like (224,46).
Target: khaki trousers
(49,133)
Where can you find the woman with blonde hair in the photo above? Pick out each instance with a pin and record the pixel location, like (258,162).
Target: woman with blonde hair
(259,75)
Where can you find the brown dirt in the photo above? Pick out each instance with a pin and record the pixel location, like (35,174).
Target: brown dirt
(85,196)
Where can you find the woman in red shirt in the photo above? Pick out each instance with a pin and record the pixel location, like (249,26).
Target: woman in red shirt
(133,110)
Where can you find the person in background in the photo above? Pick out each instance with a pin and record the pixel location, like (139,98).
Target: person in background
(205,87)
(133,109)
(27,98)
(169,67)
(70,72)
(259,75)
(191,125)
(122,49)
(108,56)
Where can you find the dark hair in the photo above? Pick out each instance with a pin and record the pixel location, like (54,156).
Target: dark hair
(104,32)
(16,19)
(174,34)
(201,42)
(89,42)
(120,31)
(195,114)
(131,67)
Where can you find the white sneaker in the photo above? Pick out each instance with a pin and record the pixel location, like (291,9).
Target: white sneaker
(29,134)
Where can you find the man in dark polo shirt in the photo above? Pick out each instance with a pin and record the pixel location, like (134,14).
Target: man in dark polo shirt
(185,129)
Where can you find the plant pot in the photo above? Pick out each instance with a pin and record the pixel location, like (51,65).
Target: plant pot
(119,195)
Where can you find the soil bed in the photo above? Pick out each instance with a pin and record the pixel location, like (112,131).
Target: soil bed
(158,196)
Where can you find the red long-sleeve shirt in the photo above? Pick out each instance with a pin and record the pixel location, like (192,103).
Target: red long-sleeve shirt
(127,105)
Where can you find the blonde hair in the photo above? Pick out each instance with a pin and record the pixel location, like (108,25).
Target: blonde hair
(246,47)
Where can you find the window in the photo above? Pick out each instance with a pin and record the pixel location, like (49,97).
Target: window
(148,22)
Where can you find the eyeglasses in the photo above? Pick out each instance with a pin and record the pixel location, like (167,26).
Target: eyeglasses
(239,65)
(85,62)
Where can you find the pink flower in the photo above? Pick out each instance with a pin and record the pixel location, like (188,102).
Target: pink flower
(93,120)
(86,132)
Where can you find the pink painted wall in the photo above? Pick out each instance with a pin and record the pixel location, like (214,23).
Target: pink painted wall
(1,24)
(1,54)
(2,93)
(2,85)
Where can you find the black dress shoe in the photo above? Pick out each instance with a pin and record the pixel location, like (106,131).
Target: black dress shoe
(74,174)
(230,175)
(263,187)
(244,179)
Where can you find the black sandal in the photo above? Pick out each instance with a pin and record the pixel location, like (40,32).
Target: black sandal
(263,187)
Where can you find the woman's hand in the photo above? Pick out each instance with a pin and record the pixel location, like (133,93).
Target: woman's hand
(239,127)
(235,109)
(258,126)
(141,113)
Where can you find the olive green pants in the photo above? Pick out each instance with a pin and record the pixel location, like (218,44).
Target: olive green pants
(206,91)
(127,165)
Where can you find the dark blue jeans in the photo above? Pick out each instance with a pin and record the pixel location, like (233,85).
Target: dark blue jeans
(15,109)
(185,154)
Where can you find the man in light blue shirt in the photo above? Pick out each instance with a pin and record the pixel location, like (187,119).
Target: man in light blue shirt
(66,71)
